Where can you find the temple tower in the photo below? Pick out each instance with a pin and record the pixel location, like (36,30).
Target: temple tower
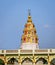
(29,38)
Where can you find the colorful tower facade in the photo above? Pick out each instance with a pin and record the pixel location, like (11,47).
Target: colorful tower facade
(29,37)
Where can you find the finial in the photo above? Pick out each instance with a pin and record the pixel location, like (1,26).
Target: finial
(29,12)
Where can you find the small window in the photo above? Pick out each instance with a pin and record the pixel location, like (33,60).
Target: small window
(24,39)
(34,31)
(33,25)
(32,39)
(28,32)
(28,39)
(36,38)
(25,32)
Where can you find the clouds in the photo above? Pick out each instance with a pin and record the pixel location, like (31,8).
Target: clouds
(49,26)
(46,26)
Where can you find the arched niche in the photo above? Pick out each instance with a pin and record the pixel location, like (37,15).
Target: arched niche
(27,61)
(13,61)
(2,62)
(52,61)
(41,61)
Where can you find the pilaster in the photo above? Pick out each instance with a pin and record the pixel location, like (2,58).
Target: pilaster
(48,59)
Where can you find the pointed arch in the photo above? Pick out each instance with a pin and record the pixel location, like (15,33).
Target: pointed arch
(12,61)
(41,60)
(27,61)
(52,61)
(2,62)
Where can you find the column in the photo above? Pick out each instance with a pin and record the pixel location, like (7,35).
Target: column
(48,60)
(20,63)
(34,63)
(33,58)
(48,63)
(5,63)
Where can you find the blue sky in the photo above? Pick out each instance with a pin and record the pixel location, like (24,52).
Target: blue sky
(13,16)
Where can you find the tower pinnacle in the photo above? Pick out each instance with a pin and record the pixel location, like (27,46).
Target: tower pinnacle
(29,16)
(29,12)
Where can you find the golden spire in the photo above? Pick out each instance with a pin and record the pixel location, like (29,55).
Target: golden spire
(29,16)
(29,34)
(29,12)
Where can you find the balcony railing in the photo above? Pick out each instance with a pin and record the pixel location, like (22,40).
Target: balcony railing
(20,51)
